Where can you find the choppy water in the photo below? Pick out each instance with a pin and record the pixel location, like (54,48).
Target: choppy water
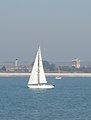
(70,100)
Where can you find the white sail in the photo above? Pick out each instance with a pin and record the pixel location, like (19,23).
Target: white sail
(34,73)
(37,75)
(41,72)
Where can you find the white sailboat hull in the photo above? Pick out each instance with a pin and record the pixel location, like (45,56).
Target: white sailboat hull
(58,78)
(41,86)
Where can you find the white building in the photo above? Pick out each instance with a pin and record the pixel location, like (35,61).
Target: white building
(76,63)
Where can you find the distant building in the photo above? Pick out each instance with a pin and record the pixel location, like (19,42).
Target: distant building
(22,68)
(76,63)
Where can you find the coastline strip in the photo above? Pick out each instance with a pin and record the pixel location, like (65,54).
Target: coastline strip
(47,74)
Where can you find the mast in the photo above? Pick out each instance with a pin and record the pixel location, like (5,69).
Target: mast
(38,68)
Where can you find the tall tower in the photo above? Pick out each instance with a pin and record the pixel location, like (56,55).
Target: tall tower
(16,62)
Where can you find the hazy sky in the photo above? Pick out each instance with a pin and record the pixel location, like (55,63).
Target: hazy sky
(61,27)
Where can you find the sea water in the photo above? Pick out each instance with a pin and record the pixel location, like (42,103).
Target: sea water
(69,100)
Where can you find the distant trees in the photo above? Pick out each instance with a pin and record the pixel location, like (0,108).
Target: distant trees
(3,69)
(49,66)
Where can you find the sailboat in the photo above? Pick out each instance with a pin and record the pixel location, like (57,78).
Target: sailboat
(37,79)
(58,77)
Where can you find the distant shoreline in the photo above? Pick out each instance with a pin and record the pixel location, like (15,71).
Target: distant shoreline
(47,74)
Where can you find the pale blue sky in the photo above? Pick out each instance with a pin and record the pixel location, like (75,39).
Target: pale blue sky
(61,27)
